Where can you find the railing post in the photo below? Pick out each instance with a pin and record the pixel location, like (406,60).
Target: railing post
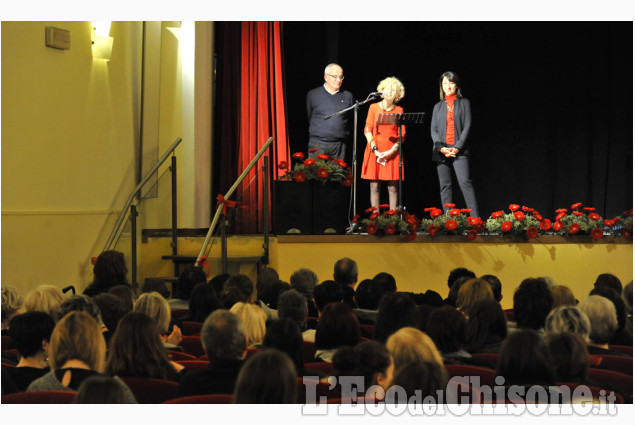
(223,243)
(133,260)
(265,211)
(174,212)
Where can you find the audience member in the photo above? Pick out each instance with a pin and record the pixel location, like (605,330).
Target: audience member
(471,291)
(623,335)
(458,273)
(387,282)
(370,360)
(218,282)
(328,292)
(345,274)
(305,281)
(609,281)
(486,327)
(244,284)
(285,335)
(99,389)
(396,311)
(568,318)
(156,284)
(266,281)
(603,319)
(202,302)
(367,297)
(569,357)
(627,297)
(338,327)
(188,278)
(453,294)
(410,344)
(109,270)
(269,377)
(126,296)
(230,296)
(551,283)
(422,379)
(293,305)
(495,283)
(111,313)
(562,295)
(254,320)
(45,298)
(271,295)
(157,308)
(11,303)
(532,304)
(80,303)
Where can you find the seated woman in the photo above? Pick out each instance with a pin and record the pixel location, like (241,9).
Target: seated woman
(203,302)
(422,379)
(254,318)
(157,308)
(77,351)
(100,389)
(396,311)
(370,360)
(269,377)
(45,298)
(136,350)
(338,327)
(472,291)
(31,333)
(486,327)
(410,344)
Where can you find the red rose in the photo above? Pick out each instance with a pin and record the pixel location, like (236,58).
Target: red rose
(574,228)
(390,212)
(514,207)
(370,210)
(506,226)
(594,216)
(411,236)
(313,150)
(374,216)
(560,216)
(472,221)
(323,173)
(435,213)
(471,235)
(557,226)
(371,228)
(596,234)
(589,209)
(432,229)
(390,229)
(537,215)
(449,205)
(576,205)
(451,225)
(577,213)
(309,162)
(561,211)
(355,218)
(283,165)
(532,232)
(348,181)
(545,224)
(299,176)
(298,155)
(519,215)
(324,157)
(497,214)
(454,212)
(609,223)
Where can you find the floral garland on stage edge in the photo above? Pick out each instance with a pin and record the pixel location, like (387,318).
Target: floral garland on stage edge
(323,168)
(455,222)
(390,222)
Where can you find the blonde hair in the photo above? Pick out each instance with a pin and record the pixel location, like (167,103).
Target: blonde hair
(254,319)
(11,302)
(472,291)
(410,344)
(46,298)
(77,337)
(157,308)
(388,82)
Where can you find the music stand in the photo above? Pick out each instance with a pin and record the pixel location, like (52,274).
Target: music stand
(410,118)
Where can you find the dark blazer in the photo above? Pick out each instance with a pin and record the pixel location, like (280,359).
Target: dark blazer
(462,124)
(219,378)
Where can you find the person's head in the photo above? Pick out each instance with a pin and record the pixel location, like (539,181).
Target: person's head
(457,273)
(244,285)
(486,324)
(202,302)
(410,344)
(333,77)
(110,269)
(126,296)
(266,278)
(218,282)
(495,283)
(569,356)
(223,336)
(157,308)
(532,303)
(472,291)
(338,326)
(79,303)
(387,282)
(155,284)
(269,377)
(368,294)
(616,299)
(45,298)
(304,281)
(230,296)
(254,319)
(610,281)
(31,332)
(421,378)
(602,316)
(453,294)
(100,389)
(327,292)
(11,303)
(370,360)
(395,312)
(272,293)
(111,312)
(627,296)
(136,349)
(77,337)
(568,318)
(286,336)
(293,305)
(562,295)
(447,327)
(392,89)
(345,271)
(188,278)
(525,360)
(449,84)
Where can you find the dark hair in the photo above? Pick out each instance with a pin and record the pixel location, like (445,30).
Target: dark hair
(387,281)
(562,295)
(454,78)
(218,282)
(28,330)
(125,295)
(610,281)
(447,327)
(486,324)
(327,292)
(338,326)
(569,357)
(189,277)
(110,269)
(136,350)
(230,296)
(293,305)
(272,293)
(156,284)
(345,271)
(427,377)
(454,290)
(202,302)
(100,389)
(368,294)
(269,377)
(266,278)
(532,303)
(366,359)
(525,360)
(111,312)
(79,303)
(495,283)
(286,336)
(243,283)
(459,272)
(396,311)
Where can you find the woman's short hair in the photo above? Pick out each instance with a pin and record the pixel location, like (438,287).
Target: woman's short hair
(11,302)
(472,291)
(79,303)
(602,316)
(203,302)
(269,377)
(452,77)
(77,337)
(45,298)
(410,344)
(448,328)
(389,82)
(110,269)
(338,326)
(396,311)
(285,335)
(568,318)
(254,319)
(367,359)
(562,295)
(525,360)
(486,323)
(569,356)
(421,375)
(28,330)
(100,389)
(157,308)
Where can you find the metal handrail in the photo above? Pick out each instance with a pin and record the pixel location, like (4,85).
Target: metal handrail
(229,193)
(136,190)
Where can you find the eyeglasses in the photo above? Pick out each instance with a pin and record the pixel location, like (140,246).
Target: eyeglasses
(337,77)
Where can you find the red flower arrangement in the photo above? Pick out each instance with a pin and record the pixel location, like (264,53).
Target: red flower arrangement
(322,168)
(390,222)
(518,221)
(578,222)
(532,232)
(455,222)
(506,226)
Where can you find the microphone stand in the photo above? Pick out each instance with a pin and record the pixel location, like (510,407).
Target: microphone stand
(355,106)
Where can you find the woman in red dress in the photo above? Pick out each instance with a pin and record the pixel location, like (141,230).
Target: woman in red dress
(381,159)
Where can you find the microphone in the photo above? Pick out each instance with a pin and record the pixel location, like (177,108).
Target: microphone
(377,93)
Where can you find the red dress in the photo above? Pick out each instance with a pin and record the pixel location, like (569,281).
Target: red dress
(385,137)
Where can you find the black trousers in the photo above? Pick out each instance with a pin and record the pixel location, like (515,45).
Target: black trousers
(461,167)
